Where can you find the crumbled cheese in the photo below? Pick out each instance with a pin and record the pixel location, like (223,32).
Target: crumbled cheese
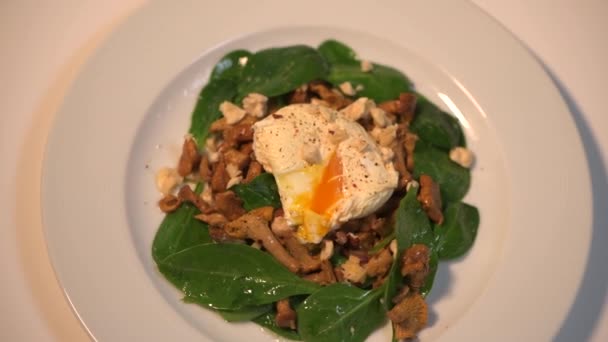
(366,66)
(353,271)
(462,156)
(243,60)
(167,179)
(411,184)
(393,248)
(211,148)
(280,227)
(311,154)
(347,89)
(234,181)
(327,251)
(379,117)
(358,109)
(207,194)
(385,136)
(359,87)
(256,105)
(233,170)
(232,112)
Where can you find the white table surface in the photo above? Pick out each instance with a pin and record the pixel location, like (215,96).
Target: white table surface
(43,43)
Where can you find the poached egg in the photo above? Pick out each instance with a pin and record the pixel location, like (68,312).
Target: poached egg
(328,169)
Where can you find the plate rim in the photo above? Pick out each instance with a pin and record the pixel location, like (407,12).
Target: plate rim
(56,255)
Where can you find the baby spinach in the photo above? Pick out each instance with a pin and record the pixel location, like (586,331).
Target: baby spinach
(336,52)
(276,71)
(382,243)
(262,191)
(229,67)
(382,83)
(231,276)
(411,227)
(340,312)
(457,233)
(267,321)
(453,179)
(179,230)
(207,107)
(435,126)
(245,314)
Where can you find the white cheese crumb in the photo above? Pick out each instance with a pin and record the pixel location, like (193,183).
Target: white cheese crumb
(379,117)
(385,136)
(256,105)
(211,148)
(462,156)
(353,271)
(233,170)
(411,184)
(167,179)
(327,251)
(359,87)
(234,181)
(207,194)
(347,89)
(393,248)
(358,109)
(366,66)
(352,331)
(280,227)
(232,112)
(243,60)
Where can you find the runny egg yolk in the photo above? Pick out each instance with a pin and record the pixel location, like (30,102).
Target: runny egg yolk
(318,206)
(329,189)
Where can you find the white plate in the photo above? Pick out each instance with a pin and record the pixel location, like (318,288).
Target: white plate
(129,109)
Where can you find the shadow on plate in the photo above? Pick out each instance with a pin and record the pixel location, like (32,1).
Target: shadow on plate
(582,317)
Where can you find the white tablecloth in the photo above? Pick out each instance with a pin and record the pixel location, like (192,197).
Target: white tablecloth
(45,42)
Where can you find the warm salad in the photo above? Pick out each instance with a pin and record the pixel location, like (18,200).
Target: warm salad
(315,195)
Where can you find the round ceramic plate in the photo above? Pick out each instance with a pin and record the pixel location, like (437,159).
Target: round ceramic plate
(129,109)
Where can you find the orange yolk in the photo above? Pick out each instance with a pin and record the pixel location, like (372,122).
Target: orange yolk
(329,189)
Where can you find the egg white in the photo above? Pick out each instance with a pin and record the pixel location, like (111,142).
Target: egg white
(367,180)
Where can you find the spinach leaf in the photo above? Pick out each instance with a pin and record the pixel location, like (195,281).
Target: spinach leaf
(382,243)
(382,83)
(457,233)
(276,71)
(267,321)
(229,67)
(340,312)
(231,276)
(245,314)
(453,179)
(336,52)
(262,191)
(435,126)
(411,227)
(207,107)
(180,230)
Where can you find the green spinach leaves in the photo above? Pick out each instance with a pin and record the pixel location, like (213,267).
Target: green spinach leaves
(262,191)
(231,276)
